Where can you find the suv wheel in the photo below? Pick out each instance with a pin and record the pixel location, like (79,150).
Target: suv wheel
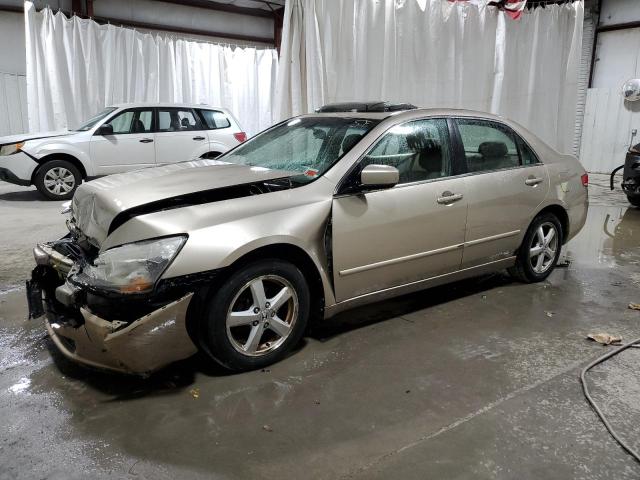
(57,179)
(540,249)
(635,201)
(257,316)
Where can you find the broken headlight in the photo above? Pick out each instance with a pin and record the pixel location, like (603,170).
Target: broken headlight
(130,268)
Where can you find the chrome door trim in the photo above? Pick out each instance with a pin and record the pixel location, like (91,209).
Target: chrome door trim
(393,261)
(491,238)
(416,256)
(406,288)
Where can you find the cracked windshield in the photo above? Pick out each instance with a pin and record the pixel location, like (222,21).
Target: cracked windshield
(308,146)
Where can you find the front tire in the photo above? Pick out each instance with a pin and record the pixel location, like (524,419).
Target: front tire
(540,249)
(257,316)
(57,179)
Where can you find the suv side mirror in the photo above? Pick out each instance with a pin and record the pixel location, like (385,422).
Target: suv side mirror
(105,129)
(379,176)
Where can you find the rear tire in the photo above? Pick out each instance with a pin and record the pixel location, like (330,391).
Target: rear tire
(256,316)
(540,249)
(635,201)
(57,179)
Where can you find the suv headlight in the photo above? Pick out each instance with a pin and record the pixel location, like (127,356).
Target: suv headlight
(11,148)
(130,268)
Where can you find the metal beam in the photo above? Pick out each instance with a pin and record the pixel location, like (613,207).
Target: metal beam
(278,18)
(618,26)
(595,44)
(188,31)
(221,7)
(155,26)
(89,5)
(76,7)
(11,8)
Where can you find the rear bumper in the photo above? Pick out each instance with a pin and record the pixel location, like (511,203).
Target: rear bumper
(577,217)
(139,346)
(17,168)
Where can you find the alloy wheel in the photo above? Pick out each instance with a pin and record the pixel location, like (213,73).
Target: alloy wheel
(543,248)
(262,315)
(59,181)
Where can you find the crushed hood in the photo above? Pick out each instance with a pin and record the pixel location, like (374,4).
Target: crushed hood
(102,205)
(24,137)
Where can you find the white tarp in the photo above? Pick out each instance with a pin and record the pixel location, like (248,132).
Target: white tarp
(76,67)
(434,53)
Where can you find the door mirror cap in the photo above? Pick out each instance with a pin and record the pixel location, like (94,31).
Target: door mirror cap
(379,176)
(105,129)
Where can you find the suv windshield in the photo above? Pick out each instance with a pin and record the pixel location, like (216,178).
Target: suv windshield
(89,124)
(307,145)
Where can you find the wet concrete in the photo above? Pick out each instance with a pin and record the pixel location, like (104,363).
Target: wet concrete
(474,380)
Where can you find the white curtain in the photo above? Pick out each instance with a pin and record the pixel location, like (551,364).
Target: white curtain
(434,53)
(76,67)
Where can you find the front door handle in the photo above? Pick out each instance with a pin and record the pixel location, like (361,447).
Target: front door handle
(533,181)
(449,197)
(146,140)
(198,138)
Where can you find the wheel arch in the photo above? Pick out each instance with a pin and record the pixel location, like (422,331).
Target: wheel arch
(60,156)
(282,251)
(211,154)
(562,214)
(301,259)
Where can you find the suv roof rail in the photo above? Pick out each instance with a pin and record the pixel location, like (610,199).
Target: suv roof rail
(365,107)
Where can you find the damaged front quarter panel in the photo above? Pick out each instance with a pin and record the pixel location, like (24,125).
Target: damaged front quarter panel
(142,335)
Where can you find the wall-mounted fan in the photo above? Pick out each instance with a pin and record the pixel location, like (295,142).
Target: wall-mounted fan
(631,90)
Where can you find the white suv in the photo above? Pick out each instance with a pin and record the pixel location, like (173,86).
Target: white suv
(118,139)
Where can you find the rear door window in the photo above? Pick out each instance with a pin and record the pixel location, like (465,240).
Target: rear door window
(528,157)
(177,120)
(214,119)
(487,145)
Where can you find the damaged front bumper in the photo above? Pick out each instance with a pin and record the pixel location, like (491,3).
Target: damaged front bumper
(138,345)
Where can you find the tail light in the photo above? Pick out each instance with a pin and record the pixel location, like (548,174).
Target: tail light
(241,137)
(585,179)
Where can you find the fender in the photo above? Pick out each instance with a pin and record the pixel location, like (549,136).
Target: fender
(59,147)
(215,146)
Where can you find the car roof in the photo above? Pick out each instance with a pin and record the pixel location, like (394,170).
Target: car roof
(376,106)
(166,104)
(412,113)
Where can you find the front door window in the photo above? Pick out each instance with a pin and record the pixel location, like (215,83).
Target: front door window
(418,149)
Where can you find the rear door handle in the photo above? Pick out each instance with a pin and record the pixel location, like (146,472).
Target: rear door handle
(449,197)
(532,181)
(146,140)
(198,138)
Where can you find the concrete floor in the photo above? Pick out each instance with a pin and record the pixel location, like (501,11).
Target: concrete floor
(475,380)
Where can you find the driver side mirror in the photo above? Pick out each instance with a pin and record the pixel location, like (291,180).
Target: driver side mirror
(379,176)
(105,129)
